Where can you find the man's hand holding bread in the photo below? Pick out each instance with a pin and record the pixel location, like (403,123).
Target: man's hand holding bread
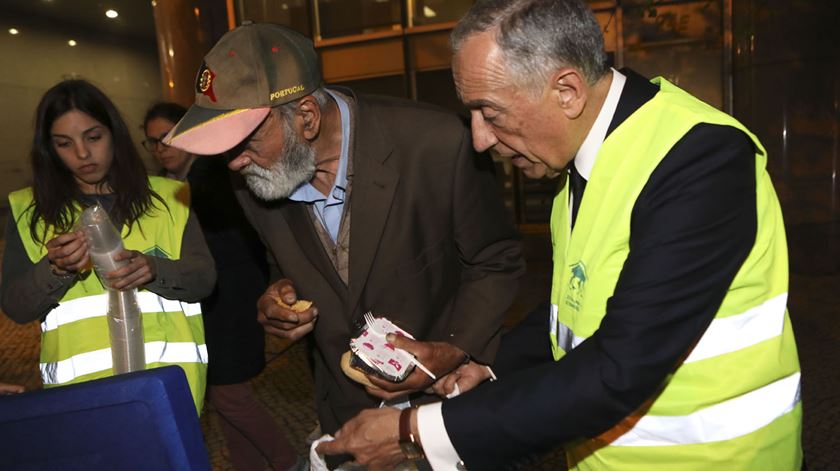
(282,314)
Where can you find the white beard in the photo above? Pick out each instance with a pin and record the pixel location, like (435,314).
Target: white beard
(294,167)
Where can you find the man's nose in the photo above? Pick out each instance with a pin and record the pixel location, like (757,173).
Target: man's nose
(239,162)
(483,136)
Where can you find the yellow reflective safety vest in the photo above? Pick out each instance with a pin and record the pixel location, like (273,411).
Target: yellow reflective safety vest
(75,344)
(734,401)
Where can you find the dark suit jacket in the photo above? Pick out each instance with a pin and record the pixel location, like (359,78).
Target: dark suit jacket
(430,245)
(692,227)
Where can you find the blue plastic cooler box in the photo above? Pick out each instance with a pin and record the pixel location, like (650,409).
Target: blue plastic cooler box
(136,421)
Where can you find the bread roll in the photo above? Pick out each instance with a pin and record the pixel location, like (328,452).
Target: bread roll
(354,374)
(299,306)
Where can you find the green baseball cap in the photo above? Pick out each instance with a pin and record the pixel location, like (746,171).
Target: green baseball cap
(250,69)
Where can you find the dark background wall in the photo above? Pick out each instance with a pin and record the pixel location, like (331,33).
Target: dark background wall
(787,90)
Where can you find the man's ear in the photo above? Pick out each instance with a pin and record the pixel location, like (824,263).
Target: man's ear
(571,91)
(309,116)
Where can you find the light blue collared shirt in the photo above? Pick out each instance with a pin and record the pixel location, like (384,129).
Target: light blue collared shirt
(329,208)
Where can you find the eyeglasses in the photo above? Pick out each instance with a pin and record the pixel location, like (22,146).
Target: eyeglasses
(151,144)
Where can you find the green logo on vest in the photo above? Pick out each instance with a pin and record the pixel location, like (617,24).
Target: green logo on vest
(574,292)
(157,252)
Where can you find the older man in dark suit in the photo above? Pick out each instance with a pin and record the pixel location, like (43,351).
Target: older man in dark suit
(667,343)
(365,204)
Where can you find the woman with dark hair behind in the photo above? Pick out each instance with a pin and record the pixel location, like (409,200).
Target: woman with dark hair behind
(174,162)
(235,340)
(82,155)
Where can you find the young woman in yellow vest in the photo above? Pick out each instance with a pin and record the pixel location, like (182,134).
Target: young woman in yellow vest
(82,154)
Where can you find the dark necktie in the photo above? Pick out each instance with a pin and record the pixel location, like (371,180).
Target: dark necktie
(578,185)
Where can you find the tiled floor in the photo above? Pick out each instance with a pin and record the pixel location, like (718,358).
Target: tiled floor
(286,386)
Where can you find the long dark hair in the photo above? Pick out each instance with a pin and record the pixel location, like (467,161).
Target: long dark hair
(54,188)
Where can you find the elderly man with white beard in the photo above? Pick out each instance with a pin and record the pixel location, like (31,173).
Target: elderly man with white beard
(366,204)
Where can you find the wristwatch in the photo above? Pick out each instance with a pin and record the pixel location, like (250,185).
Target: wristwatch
(408,443)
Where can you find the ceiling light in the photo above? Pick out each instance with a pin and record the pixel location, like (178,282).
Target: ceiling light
(428,12)
(71,42)
(13,31)
(112,14)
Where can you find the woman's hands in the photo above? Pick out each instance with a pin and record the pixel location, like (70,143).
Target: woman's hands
(139,270)
(68,253)
(6,389)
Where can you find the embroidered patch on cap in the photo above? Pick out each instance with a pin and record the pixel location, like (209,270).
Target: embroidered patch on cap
(204,84)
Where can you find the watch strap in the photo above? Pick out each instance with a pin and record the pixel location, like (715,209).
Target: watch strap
(405,425)
(408,442)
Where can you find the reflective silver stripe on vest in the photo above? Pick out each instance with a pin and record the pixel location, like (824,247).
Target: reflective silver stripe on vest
(566,339)
(729,334)
(97,306)
(724,335)
(725,421)
(64,371)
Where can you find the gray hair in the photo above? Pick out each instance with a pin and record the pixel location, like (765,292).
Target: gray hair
(537,37)
(287,110)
